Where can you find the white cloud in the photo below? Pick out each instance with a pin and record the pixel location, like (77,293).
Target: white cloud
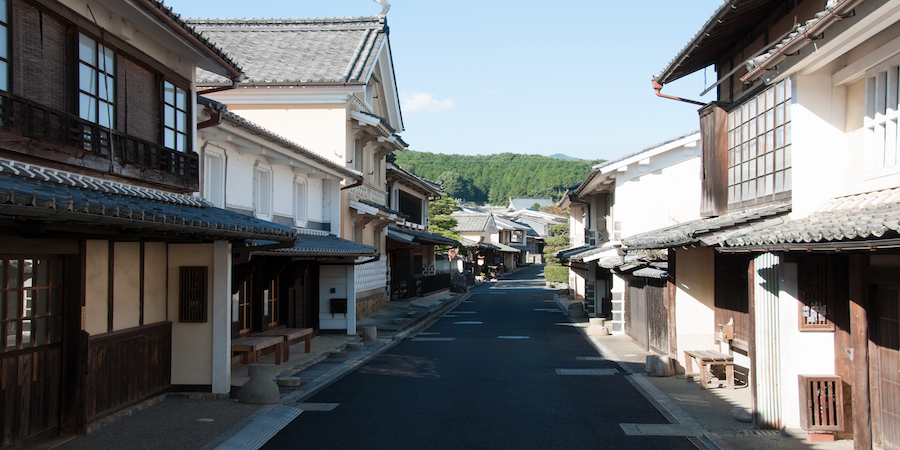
(422,102)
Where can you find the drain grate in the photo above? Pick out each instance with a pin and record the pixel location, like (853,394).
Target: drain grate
(759,433)
(589,358)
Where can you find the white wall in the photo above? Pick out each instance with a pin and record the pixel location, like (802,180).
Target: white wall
(695,300)
(340,279)
(192,343)
(805,353)
(319,128)
(669,187)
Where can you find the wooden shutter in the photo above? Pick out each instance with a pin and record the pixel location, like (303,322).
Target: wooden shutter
(40,58)
(138,101)
(714,134)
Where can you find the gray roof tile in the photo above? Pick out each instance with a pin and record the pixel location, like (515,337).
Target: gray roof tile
(690,233)
(873,215)
(338,50)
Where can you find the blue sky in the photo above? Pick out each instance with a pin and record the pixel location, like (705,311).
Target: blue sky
(484,77)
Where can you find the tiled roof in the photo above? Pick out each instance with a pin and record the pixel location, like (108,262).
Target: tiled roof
(799,37)
(527,202)
(869,216)
(423,237)
(321,243)
(565,253)
(732,22)
(272,136)
(500,247)
(383,208)
(694,232)
(336,50)
(428,186)
(505,224)
(182,25)
(48,194)
(466,222)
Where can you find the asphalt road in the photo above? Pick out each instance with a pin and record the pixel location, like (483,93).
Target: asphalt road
(487,375)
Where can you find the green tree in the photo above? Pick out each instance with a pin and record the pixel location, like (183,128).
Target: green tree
(443,223)
(536,206)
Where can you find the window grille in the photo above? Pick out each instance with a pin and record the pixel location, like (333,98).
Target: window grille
(821,403)
(193,294)
(814,275)
(759,146)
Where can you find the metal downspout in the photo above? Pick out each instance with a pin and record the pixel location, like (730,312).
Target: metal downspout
(658,87)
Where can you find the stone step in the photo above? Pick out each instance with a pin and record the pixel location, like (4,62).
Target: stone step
(355,345)
(340,354)
(288,381)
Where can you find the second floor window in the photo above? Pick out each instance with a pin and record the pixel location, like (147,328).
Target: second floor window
(175,117)
(262,201)
(411,206)
(759,146)
(300,202)
(96,82)
(882,112)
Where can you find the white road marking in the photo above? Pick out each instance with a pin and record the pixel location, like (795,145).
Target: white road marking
(467,323)
(433,339)
(512,337)
(587,371)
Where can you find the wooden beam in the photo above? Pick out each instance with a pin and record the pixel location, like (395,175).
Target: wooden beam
(672,288)
(859,340)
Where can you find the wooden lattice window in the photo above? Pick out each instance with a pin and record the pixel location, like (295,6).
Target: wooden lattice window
(815,272)
(193,294)
(821,403)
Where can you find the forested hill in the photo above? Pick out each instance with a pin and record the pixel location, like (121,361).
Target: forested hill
(494,178)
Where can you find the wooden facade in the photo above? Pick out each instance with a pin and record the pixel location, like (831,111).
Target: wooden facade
(125,367)
(647,313)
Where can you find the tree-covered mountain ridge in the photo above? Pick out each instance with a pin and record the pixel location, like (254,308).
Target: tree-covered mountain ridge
(494,178)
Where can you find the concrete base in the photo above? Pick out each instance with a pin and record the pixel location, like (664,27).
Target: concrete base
(261,388)
(598,327)
(820,437)
(576,311)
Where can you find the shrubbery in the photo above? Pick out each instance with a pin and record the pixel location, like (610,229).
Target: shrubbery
(555,273)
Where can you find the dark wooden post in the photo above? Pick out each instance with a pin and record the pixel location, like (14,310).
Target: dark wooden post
(859,340)
(672,288)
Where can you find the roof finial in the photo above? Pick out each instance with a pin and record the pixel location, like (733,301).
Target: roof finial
(385,6)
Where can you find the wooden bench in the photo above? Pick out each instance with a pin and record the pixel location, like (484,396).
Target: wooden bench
(708,358)
(249,346)
(288,335)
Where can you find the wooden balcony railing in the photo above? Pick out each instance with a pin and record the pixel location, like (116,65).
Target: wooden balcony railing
(66,138)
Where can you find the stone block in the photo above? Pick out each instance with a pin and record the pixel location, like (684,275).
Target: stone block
(260,389)
(369,333)
(741,414)
(288,381)
(597,327)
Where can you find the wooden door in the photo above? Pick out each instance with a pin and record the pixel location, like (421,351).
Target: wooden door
(30,349)
(636,324)
(657,315)
(888,365)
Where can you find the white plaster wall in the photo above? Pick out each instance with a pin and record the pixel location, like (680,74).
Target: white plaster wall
(155,255)
(818,142)
(334,277)
(672,192)
(322,129)
(803,353)
(96,287)
(126,285)
(695,300)
(192,343)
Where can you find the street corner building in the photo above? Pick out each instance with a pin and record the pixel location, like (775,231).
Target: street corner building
(115,278)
